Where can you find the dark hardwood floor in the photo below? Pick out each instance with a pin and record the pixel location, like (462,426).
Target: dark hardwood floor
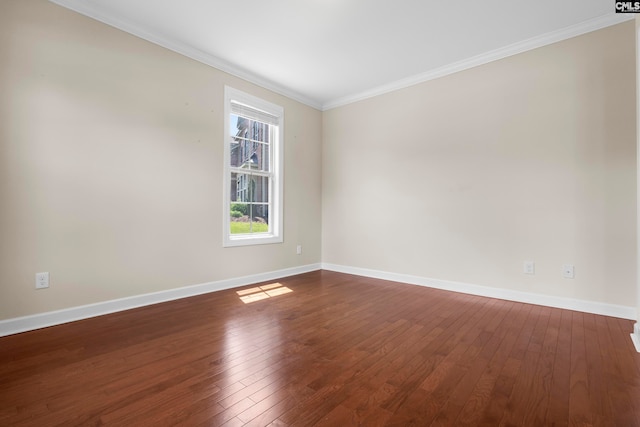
(337,350)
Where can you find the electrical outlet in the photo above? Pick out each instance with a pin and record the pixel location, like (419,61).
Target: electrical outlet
(529,267)
(568,271)
(299,249)
(42,280)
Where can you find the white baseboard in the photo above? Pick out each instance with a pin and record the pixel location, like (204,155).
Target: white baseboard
(635,336)
(51,318)
(42,320)
(620,311)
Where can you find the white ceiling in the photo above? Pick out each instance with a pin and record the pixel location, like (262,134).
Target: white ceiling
(327,53)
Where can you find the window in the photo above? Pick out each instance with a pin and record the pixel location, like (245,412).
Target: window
(252,170)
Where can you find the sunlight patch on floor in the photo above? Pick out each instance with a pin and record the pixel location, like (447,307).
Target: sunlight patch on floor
(262,292)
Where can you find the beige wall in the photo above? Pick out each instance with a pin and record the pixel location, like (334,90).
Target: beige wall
(111,166)
(637,41)
(111,170)
(464,177)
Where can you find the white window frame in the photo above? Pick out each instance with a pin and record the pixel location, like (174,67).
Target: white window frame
(276,188)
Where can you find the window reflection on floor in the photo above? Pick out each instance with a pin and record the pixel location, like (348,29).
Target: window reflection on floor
(262,292)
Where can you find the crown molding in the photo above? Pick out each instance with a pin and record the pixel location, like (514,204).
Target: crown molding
(604,21)
(494,55)
(85,9)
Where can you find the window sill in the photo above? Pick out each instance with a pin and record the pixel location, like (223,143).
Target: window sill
(261,239)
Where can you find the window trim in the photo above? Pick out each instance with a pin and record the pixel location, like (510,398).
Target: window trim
(276,195)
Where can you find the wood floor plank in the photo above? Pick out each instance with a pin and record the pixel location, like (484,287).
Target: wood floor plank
(478,404)
(599,402)
(337,350)
(580,411)
(558,409)
(537,406)
(280,402)
(443,370)
(516,406)
(625,396)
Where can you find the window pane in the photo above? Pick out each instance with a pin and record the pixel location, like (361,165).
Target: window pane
(259,218)
(250,144)
(259,187)
(249,207)
(256,219)
(248,188)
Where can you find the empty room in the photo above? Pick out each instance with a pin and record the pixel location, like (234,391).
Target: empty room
(319,212)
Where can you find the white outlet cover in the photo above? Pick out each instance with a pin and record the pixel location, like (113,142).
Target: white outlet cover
(568,271)
(529,267)
(42,280)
